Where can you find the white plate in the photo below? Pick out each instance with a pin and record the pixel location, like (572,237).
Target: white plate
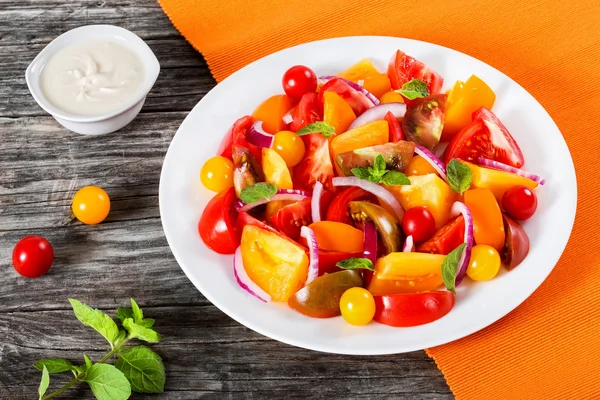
(182,199)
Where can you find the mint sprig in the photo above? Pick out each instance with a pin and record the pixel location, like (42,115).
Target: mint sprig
(356,263)
(414,89)
(379,174)
(450,267)
(324,128)
(138,368)
(459,176)
(258,191)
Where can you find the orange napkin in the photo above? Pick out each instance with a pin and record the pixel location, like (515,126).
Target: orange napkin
(548,347)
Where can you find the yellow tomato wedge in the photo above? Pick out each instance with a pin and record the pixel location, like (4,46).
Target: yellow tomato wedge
(371,134)
(377,85)
(277,173)
(496,181)
(271,112)
(360,71)
(407,273)
(337,112)
(276,265)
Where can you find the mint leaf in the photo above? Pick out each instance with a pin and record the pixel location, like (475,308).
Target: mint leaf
(124,312)
(143,368)
(140,332)
(459,176)
(88,362)
(147,322)
(395,178)
(258,191)
(379,164)
(44,383)
(414,89)
(361,172)
(96,319)
(450,267)
(79,369)
(356,263)
(324,128)
(138,315)
(107,382)
(54,365)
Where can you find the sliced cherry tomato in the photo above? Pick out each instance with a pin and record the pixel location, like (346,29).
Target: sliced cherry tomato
(419,223)
(446,239)
(357,100)
(338,209)
(271,112)
(403,68)
(396,133)
(485,137)
(32,257)
(316,165)
(412,309)
(217,224)
(516,244)
(306,112)
(519,202)
(299,80)
(237,135)
(424,120)
(292,217)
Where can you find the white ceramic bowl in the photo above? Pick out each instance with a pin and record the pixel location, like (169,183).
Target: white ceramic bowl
(97,124)
(182,199)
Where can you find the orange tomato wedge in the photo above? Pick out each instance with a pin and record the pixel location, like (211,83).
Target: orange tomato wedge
(277,173)
(488,227)
(406,273)
(360,71)
(377,85)
(337,236)
(371,134)
(276,265)
(337,112)
(271,112)
(496,181)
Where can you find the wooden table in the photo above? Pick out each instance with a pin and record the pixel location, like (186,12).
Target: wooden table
(206,353)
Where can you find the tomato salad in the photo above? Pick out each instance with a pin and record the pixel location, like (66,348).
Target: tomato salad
(331,197)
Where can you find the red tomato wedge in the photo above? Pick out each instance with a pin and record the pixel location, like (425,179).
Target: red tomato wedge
(446,239)
(306,112)
(292,217)
(357,100)
(316,165)
(396,133)
(403,68)
(217,224)
(338,209)
(237,135)
(485,137)
(412,309)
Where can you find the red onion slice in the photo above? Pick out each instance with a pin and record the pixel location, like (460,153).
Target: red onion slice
(409,245)
(431,158)
(282,194)
(507,168)
(377,113)
(258,137)
(370,242)
(315,203)
(374,188)
(372,98)
(461,208)
(242,278)
(313,251)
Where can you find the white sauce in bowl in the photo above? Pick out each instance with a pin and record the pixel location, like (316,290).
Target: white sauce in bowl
(92,78)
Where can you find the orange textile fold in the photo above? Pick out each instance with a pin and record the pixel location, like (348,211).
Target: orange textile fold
(548,347)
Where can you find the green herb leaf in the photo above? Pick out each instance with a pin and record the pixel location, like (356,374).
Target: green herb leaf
(54,365)
(361,172)
(459,176)
(324,128)
(379,164)
(140,332)
(44,383)
(414,89)
(138,315)
(143,368)
(395,178)
(107,382)
(88,362)
(124,312)
(79,369)
(258,191)
(356,263)
(96,319)
(147,322)
(450,267)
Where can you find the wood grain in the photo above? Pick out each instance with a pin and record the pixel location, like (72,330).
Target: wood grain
(206,354)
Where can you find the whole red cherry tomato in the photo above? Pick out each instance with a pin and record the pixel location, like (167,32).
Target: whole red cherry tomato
(519,202)
(419,223)
(299,80)
(32,256)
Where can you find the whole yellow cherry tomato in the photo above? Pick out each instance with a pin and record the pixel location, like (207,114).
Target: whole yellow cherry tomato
(357,306)
(290,147)
(217,174)
(484,263)
(91,205)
